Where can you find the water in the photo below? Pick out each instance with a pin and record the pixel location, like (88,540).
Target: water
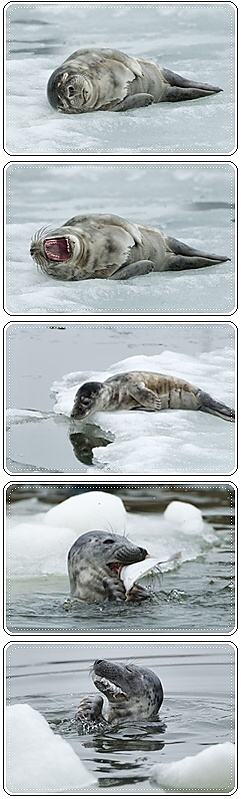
(196,594)
(196,41)
(196,713)
(170,442)
(193,203)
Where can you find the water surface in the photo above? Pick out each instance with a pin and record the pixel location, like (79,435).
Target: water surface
(197,709)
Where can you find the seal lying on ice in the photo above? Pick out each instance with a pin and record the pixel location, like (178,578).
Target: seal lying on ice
(149,391)
(109,80)
(108,246)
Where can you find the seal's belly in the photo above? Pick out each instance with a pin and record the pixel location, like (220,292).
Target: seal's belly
(151,82)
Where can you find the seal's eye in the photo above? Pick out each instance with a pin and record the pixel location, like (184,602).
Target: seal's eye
(71,91)
(108,541)
(85,94)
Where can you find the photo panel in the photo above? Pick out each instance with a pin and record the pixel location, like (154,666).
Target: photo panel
(126,78)
(109,718)
(127,408)
(116,558)
(120,238)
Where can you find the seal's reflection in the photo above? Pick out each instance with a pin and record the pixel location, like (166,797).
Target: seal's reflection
(118,752)
(84,438)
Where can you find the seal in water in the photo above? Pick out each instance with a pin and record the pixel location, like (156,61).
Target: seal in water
(95,561)
(147,391)
(107,246)
(109,80)
(133,692)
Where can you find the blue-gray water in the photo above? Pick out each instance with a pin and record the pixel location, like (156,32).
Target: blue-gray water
(197,710)
(194,595)
(41,437)
(193,203)
(195,40)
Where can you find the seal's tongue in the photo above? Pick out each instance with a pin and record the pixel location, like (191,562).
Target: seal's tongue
(57,249)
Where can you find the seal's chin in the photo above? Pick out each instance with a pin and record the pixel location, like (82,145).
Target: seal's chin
(57,249)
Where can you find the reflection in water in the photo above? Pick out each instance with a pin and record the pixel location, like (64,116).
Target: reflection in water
(85,440)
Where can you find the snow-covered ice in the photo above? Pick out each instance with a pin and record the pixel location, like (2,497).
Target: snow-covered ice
(195,41)
(193,203)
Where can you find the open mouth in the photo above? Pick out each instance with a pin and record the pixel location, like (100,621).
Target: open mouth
(115,567)
(106,686)
(57,249)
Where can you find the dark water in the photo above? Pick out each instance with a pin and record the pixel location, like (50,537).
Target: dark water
(196,713)
(198,595)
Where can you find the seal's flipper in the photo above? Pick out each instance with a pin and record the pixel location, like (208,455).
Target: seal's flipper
(137,594)
(90,709)
(146,398)
(209,405)
(133,101)
(174,94)
(136,269)
(190,258)
(190,89)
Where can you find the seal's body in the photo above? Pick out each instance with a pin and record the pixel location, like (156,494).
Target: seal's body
(109,80)
(132,692)
(149,391)
(108,246)
(95,561)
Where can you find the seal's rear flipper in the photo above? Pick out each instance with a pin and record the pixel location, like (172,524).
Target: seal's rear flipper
(185,257)
(180,88)
(209,405)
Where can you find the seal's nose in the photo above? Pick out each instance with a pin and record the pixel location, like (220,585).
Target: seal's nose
(32,249)
(144,552)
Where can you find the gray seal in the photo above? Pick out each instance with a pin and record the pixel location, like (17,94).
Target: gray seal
(109,80)
(147,391)
(108,246)
(132,692)
(95,561)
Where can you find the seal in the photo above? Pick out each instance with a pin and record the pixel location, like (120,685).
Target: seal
(109,80)
(108,246)
(132,692)
(147,391)
(95,561)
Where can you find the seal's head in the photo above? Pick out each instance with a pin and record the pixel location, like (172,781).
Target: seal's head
(87,400)
(95,561)
(70,91)
(130,690)
(59,253)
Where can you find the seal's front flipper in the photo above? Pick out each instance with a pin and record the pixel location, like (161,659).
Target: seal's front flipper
(180,88)
(185,257)
(133,101)
(137,594)
(90,709)
(209,405)
(137,269)
(147,399)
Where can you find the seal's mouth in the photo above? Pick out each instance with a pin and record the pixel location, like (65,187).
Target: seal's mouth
(110,689)
(57,249)
(116,567)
